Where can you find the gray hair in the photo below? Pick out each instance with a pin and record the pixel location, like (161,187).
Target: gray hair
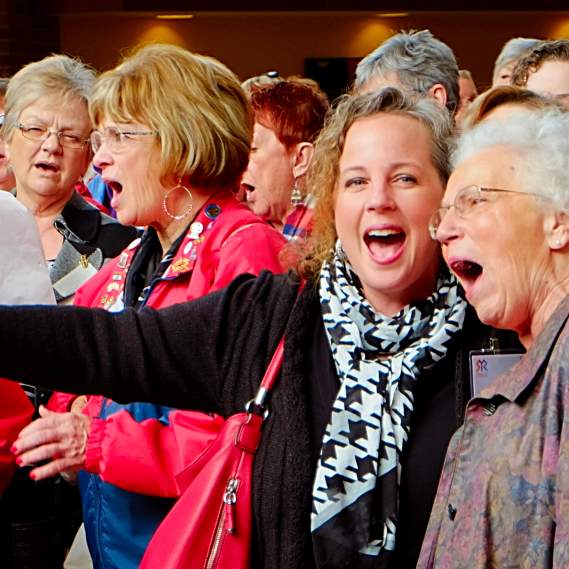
(58,76)
(419,60)
(513,50)
(540,137)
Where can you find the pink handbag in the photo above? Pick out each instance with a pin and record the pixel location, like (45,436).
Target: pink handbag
(210,526)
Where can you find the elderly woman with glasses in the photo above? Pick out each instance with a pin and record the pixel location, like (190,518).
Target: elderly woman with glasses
(375,373)
(503,499)
(46,132)
(172,141)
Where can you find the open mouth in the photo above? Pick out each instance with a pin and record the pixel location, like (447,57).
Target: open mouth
(47,167)
(114,186)
(385,244)
(468,272)
(248,189)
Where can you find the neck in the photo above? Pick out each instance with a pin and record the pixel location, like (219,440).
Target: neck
(544,306)
(43,206)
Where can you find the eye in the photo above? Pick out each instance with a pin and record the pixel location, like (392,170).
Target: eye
(72,138)
(35,130)
(355,183)
(405,180)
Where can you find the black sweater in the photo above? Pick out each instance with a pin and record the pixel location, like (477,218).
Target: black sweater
(210,355)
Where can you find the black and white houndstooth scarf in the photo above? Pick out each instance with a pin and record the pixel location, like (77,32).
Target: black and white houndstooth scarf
(378,360)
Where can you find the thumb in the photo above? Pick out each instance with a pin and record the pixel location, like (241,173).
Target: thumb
(45,412)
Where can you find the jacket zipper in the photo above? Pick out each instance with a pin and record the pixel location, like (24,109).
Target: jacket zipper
(225,522)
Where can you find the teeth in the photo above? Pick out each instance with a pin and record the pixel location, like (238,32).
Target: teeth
(383,232)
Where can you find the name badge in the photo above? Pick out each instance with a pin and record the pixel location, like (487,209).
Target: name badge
(487,365)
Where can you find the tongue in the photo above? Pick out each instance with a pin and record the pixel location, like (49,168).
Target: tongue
(385,247)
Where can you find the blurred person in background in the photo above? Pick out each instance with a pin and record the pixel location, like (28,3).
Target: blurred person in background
(173,172)
(467,93)
(512,51)
(500,102)
(545,70)
(288,117)
(416,62)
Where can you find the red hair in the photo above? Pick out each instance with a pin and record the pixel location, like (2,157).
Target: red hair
(293,108)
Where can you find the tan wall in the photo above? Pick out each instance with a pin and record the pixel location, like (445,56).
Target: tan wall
(253,43)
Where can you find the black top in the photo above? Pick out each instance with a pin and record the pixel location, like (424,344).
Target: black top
(210,354)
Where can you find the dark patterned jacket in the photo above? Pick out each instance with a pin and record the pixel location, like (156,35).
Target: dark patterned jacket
(89,239)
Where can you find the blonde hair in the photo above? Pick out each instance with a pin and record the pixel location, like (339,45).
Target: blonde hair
(57,76)
(324,171)
(194,103)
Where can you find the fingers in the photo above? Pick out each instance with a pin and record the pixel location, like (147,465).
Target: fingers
(58,436)
(52,469)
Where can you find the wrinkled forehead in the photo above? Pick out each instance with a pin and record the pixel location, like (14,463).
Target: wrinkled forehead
(498,166)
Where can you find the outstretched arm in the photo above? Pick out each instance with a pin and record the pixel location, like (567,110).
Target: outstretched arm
(191,355)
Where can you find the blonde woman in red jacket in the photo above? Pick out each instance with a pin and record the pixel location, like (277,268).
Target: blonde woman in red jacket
(172,141)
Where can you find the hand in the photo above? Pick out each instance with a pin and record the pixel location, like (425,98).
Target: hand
(59,437)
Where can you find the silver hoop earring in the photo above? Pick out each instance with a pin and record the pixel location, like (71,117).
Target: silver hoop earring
(295,195)
(167,195)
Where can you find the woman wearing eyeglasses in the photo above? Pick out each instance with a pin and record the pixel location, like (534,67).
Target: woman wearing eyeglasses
(503,498)
(46,130)
(172,139)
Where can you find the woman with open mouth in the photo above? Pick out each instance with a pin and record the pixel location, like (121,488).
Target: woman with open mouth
(375,374)
(504,229)
(46,132)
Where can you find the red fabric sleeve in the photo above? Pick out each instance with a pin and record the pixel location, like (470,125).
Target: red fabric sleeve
(16,412)
(251,249)
(145,457)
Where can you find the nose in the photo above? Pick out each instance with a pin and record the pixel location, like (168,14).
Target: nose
(102,157)
(449,227)
(380,197)
(51,142)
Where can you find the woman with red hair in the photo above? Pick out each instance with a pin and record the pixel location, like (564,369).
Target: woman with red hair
(288,117)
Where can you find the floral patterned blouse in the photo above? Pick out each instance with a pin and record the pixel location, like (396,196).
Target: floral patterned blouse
(503,497)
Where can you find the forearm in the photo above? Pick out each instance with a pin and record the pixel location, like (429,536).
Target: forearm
(129,356)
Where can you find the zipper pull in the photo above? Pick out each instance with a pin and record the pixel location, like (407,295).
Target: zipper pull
(229,499)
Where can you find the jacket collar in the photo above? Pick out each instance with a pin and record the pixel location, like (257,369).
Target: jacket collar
(78,221)
(521,376)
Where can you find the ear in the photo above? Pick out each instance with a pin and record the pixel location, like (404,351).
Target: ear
(439,93)
(302,156)
(556,230)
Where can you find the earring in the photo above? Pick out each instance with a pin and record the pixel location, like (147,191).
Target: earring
(295,195)
(179,185)
(558,243)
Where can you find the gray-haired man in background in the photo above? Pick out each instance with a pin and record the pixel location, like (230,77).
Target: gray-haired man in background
(415,62)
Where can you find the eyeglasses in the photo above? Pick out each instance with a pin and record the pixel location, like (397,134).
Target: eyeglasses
(40,134)
(465,202)
(115,138)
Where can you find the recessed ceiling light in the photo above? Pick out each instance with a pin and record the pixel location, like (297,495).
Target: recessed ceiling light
(174,16)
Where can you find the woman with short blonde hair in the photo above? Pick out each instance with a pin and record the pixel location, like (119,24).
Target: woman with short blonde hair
(172,140)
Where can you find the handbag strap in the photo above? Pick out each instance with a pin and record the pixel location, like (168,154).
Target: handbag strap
(258,405)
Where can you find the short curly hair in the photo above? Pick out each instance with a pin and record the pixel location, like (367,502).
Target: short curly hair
(554,50)
(324,170)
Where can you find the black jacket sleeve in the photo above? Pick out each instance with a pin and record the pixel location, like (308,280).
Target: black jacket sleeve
(190,355)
